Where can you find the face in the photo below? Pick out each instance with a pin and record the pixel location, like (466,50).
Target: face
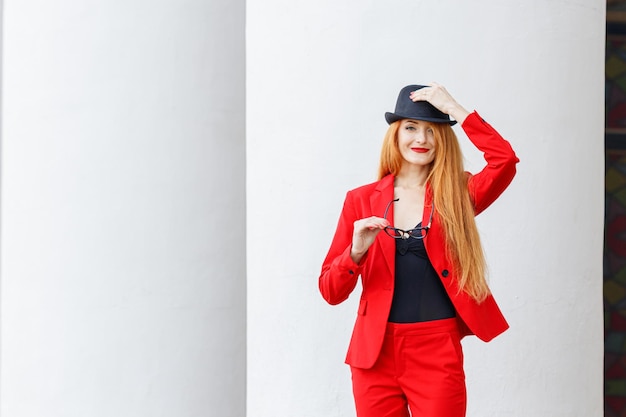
(416,142)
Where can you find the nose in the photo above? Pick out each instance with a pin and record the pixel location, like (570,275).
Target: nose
(420,136)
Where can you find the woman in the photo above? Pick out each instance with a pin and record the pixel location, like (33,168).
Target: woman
(412,238)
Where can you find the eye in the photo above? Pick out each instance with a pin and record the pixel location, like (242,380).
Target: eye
(430,130)
(410,127)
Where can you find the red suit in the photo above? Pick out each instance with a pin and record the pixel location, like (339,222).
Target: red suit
(340,274)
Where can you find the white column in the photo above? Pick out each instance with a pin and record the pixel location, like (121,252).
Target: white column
(320,76)
(123,225)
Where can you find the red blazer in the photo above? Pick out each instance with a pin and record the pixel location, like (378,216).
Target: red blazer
(340,274)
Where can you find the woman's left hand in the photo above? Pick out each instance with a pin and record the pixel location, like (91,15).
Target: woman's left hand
(438,96)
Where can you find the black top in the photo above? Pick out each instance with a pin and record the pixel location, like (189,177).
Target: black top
(419,294)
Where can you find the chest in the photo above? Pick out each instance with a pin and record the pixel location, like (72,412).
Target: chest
(408,209)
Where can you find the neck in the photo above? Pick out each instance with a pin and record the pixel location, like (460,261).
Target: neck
(412,176)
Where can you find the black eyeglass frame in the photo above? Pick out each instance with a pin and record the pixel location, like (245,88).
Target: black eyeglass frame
(396,233)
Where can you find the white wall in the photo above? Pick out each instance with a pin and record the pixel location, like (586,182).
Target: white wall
(320,75)
(123,225)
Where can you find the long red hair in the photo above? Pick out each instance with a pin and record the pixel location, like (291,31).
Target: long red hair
(453,204)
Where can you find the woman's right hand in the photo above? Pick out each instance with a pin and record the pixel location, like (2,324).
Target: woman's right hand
(365,232)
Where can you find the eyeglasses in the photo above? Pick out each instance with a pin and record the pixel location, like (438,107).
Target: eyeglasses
(419,232)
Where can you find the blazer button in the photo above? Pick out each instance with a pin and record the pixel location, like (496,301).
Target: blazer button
(351,272)
(444,273)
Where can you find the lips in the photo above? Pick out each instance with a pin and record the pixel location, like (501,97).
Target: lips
(419,150)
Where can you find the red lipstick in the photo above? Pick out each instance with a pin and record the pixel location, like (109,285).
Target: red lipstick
(419,150)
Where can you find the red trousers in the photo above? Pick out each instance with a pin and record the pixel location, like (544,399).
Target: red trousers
(420,368)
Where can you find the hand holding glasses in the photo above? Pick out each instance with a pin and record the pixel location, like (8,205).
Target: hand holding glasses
(419,232)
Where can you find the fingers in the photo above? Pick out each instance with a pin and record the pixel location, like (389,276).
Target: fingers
(433,92)
(370,223)
(438,96)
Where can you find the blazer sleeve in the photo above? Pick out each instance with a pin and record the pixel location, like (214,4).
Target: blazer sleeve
(339,272)
(487,185)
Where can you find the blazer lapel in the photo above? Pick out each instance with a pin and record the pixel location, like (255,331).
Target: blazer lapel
(382,195)
(432,238)
(428,205)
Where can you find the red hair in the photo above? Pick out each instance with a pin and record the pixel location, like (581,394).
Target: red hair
(453,204)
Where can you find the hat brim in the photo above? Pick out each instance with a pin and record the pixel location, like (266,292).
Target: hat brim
(393,117)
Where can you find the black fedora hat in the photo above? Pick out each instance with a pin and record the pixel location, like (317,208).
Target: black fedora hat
(418,110)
